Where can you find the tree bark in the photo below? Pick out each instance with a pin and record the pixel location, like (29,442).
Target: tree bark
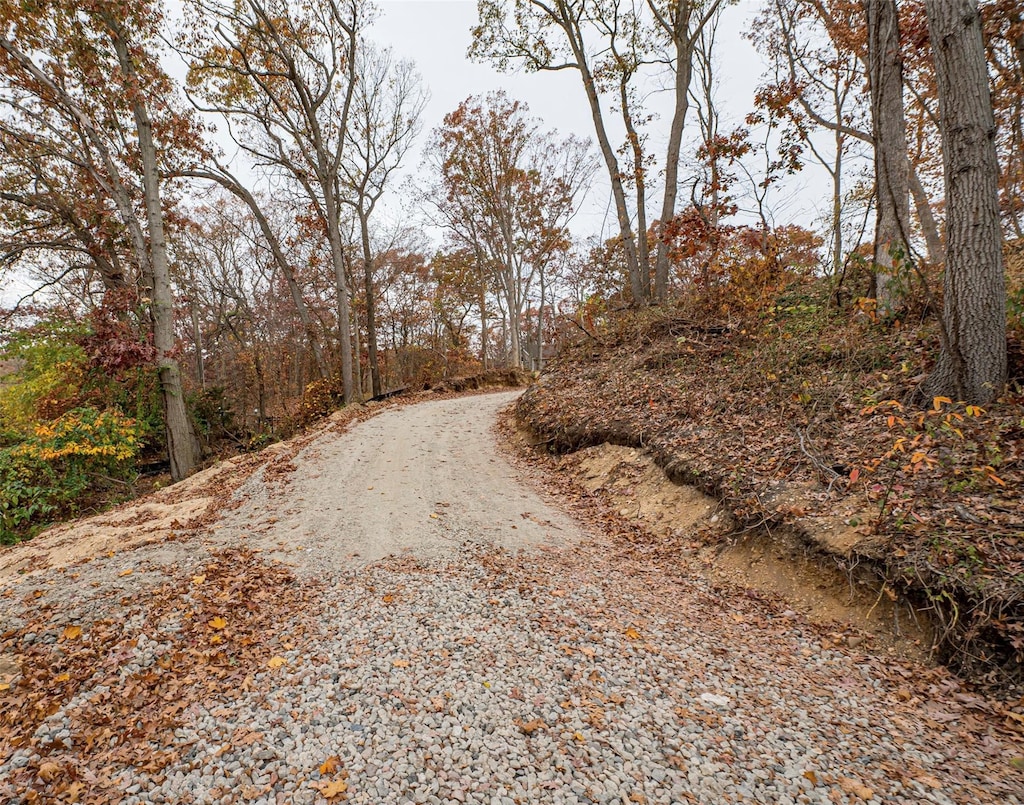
(888,128)
(182,445)
(972,365)
(683,42)
(371,316)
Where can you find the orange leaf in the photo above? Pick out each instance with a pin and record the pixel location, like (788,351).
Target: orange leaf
(854,475)
(332,789)
(217,623)
(400,663)
(330,765)
(632,633)
(72,632)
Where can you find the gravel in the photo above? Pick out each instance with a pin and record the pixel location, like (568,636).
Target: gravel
(564,674)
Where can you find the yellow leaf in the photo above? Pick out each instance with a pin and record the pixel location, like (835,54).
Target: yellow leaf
(810,775)
(400,663)
(332,789)
(330,765)
(387,599)
(579,737)
(218,623)
(127,572)
(4,686)
(937,403)
(277,661)
(434,516)
(62,677)
(632,633)
(216,639)
(198,579)
(72,632)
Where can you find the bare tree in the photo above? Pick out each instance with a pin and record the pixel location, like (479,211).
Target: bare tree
(384,119)
(284,74)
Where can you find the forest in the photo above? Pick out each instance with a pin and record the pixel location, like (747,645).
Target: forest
(196,264)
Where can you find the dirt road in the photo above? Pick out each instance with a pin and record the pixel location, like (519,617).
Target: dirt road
(414,480)
(390,614)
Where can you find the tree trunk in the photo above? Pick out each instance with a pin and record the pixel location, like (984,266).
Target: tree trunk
(183,448)
(888,128)
(371,316)
(348,387)
(683,70)
(972,364)
(635,270)
(926,218)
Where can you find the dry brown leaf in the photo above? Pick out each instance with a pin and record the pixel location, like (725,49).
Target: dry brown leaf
(277,661)
(400,663)
(929,780)
(810,775)
(48,771)
(531,727)
(855,787)
(73,793)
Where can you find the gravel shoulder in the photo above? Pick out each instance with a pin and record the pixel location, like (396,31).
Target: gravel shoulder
(458,639)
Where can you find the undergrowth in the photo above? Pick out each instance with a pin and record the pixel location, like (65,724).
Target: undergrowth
(824,403)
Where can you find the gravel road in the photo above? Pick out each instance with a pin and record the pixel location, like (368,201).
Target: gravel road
(444,633)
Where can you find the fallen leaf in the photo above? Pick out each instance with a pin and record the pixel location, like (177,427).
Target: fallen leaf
(72,632)
(332,789)
(632,633)
(531,727)
(400,663)
(48,771)
(810,775)
(928,780)
(217,623)
(74,792)
(330,766)
(855,787)
(436,516)
(198,579)
(126,572)
(4,687)
(62,677)
(277,661)
(387,599)
(579,737)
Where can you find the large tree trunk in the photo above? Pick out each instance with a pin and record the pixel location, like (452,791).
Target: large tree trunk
(972,364)
(888,128)
(183,448)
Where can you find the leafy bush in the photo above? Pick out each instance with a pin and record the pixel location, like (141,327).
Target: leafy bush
(50,472)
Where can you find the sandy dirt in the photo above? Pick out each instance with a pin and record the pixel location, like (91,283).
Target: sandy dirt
(418,480)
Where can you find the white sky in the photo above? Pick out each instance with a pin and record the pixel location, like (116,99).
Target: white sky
(436,35)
